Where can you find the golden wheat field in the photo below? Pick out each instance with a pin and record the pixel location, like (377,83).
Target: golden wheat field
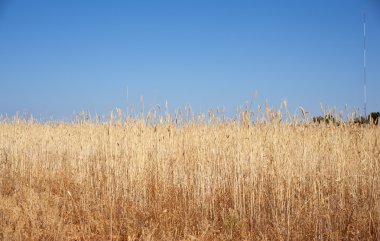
(222,180)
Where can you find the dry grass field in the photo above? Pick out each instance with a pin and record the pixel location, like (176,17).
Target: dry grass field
(129,180)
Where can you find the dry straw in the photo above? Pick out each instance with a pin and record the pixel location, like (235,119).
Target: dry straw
(127,179)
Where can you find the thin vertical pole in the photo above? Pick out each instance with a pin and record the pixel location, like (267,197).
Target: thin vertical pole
(364,66)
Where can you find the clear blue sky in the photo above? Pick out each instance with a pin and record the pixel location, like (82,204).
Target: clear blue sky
(60,57)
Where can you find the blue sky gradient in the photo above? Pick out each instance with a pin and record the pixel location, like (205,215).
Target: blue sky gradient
(60,57)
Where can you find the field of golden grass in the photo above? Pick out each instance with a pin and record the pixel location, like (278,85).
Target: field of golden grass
(195,181)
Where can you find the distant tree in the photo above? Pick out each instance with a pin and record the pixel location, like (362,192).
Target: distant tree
(360,120)
(318,119)
(374,117)
(328,119)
